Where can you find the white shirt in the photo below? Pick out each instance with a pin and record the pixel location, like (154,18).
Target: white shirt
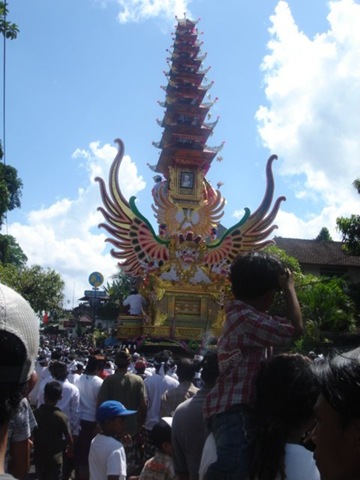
(208,456)
(74,378)
(136,302)
(155,386)
(89,387)
(299,462)
(35,391)
(106,457)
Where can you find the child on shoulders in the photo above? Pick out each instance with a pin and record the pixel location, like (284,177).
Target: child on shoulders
(248,333)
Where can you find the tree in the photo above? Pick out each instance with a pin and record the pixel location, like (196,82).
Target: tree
(11,252)
(10,188)
(324,235)
(289,262)
(120,287)
(325,302)
(350,228)
(117,291)
(356,184)
(42,288)
(10,30)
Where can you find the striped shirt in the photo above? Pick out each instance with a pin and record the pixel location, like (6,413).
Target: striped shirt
(241,349)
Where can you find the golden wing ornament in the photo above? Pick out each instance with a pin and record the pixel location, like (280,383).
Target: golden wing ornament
(251,232)
(137,247)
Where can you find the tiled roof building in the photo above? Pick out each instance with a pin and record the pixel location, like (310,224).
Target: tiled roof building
(321,257)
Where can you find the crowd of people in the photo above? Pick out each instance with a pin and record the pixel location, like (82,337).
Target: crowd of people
(245,409)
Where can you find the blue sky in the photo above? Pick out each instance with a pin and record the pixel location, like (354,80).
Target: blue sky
(82,73)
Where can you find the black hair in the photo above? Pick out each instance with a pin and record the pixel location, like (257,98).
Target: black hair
(53,391)
(286,392)
(163,358)
(12,357)
(339,379)
(210,367)
(185,369)
(58,370)
(56,355)
(94,364)
(122,359)
(255,273)
(160,433)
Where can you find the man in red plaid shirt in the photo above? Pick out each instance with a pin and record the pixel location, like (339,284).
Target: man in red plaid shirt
(247,334)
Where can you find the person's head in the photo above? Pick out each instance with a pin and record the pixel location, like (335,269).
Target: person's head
(162,361)
(287,389)
(134,291)
(337,433)
(185,370)
(140,365)
(79,368)
(286,392)
(111,415)
(94,365)
(209,368)
(52,392)
(122,359)
(42,360)
(59,370)
(254,274)
(56,355)
(19,345)
(160,435)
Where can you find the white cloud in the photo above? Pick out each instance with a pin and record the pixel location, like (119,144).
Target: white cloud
(138,10)
(65,237)
(312,118)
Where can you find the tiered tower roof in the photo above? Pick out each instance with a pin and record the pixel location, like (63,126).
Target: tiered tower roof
(185,135)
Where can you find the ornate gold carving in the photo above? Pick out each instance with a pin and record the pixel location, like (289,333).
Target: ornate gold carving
(189,333)
(128,331)
(160,317)
(178,190)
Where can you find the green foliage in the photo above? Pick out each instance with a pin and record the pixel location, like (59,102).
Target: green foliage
(11,252)
(42,288)
(324,235)
(10,30)
(108,310)
(290,262)
(117,291)
(98,337)
(120,287)
(10,190)
(326,304)
(350,229)
(304,344)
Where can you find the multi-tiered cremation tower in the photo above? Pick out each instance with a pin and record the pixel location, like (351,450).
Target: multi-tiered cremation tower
(183,267)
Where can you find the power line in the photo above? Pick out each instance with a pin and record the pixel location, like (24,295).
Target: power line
(4,105)
(4,88)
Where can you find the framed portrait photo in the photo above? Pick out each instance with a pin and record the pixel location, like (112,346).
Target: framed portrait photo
(187,180)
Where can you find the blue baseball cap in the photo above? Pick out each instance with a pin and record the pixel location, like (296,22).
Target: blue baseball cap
(111,409)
